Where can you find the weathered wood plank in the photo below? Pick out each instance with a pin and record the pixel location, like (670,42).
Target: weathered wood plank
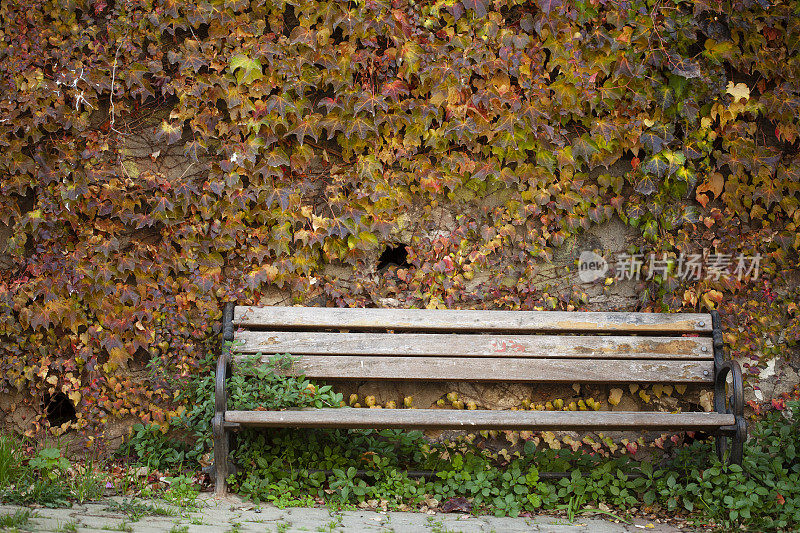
(470,320)
(475,420)
(499,369)
(443,344)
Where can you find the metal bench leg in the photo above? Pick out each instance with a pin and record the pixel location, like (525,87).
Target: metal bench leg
(737,442)
(733,404)
(222,466)
(221,449)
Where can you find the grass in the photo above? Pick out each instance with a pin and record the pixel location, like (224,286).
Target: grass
(136,510)
(10,466)
(45,477)
(70,526)
(122,526)
(332,525)
(437,526)
(15,521)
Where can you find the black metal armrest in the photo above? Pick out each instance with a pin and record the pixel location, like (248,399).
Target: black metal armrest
(735,403)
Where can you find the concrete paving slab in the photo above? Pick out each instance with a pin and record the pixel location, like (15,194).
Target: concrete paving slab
(233,514)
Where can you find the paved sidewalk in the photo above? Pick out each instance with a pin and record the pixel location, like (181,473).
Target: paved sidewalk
(233,515)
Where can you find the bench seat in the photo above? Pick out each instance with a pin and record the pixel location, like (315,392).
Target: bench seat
(479,419)
(427,345)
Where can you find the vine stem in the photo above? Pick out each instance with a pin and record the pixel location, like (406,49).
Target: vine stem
(111,96)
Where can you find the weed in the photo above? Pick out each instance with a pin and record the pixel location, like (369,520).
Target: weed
(10,464)
(437,526)
(70,527)
(15,521)
(122,526)
(182,491)
(136,510)
(331,526)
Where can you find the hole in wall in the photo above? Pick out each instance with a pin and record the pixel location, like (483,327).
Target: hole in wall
(60,409)
(394,254)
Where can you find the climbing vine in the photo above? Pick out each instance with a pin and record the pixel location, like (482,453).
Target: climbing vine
(161,157)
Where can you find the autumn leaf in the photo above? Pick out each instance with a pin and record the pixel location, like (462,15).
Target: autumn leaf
(309,126)
(739,91)
(276,157)
(615,396)
(395,90)
(646,185)
(658,166)
(769,191)
(713,184)
(686,68)
(249,70)
(359,127)
(370,102)
(280,104)
(583,147)
(548,5)
(410,55)
(478,6)
(172,132)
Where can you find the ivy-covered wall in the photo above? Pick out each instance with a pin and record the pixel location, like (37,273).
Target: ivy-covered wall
(160,157)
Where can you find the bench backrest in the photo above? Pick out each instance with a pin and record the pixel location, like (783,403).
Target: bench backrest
(478,345)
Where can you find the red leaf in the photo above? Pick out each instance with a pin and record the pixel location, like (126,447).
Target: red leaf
(548,5)
(478,6)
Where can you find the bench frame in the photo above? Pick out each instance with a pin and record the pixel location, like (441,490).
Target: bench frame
(723,404)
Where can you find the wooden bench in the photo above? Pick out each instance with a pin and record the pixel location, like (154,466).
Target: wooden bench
(485,346)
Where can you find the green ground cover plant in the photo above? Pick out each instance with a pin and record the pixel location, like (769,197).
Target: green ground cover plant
(45,476)
(42,477)
(344,469)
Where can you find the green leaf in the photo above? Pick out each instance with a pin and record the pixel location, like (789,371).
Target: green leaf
(658,166)
(583,147)
(359,127)
(276,157)
(249,70)
(411,55)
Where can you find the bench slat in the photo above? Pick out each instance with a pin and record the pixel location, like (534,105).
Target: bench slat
(499,369)
(460,419)
(441,344)
(470,320)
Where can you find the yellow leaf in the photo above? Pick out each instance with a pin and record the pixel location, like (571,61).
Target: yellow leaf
(712,298)
(615,396)
(52,380)
(738,91)
(75,397)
